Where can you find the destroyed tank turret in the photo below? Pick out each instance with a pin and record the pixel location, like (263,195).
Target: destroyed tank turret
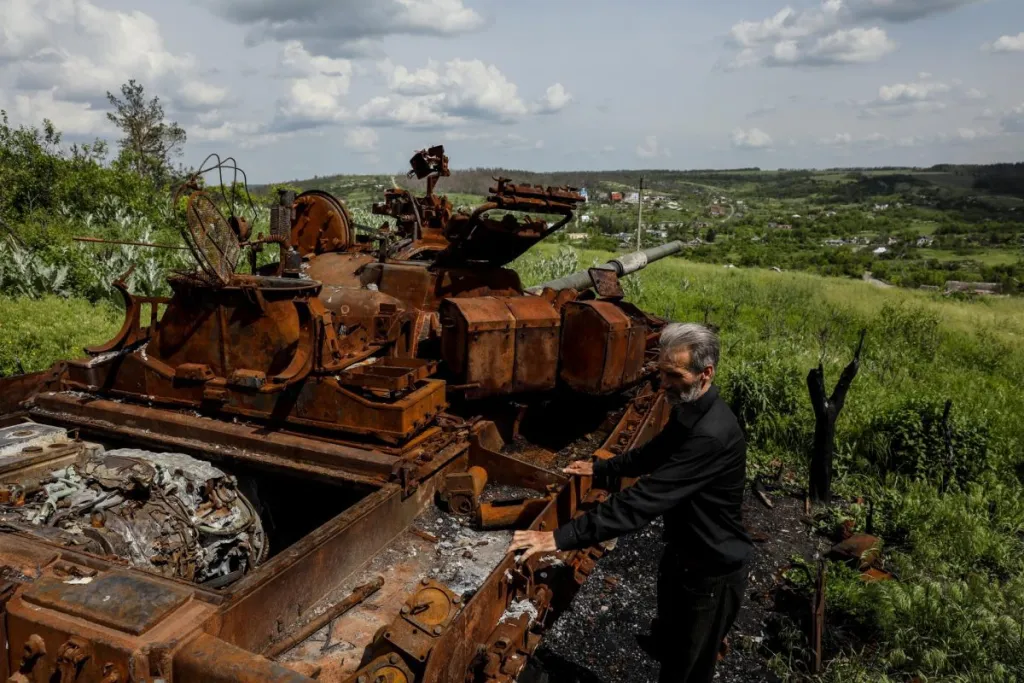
(313,469)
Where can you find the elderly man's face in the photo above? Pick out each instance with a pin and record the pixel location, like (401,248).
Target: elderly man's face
(681,384)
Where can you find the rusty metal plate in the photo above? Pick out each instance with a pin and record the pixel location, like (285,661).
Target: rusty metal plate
(600,349)
(536,343)
(606,283)
(477,341)
(117,599)
(322,224)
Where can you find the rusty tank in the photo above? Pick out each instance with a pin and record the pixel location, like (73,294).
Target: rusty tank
(312,470)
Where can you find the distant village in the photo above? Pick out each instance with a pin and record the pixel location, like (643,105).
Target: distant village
(719,209)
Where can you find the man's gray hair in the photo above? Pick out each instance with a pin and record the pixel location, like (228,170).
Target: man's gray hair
(701,342)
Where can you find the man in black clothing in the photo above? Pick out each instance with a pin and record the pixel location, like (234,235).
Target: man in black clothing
(693,474)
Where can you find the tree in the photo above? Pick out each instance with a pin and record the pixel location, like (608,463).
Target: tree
(826,412)
(149,142)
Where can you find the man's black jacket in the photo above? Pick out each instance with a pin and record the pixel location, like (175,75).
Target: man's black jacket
(695,472)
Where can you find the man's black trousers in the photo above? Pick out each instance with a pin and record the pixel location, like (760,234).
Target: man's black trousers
(695,612)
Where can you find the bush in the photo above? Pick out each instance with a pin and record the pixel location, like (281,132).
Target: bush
(770,406)
(910,441)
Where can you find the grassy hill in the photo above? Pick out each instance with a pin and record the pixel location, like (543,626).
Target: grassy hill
(956,611)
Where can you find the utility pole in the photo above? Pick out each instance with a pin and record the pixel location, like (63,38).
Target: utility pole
(639,212)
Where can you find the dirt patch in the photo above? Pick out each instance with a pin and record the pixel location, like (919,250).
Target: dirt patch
(594,641)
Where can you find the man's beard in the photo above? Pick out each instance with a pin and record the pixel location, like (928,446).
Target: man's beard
(682,397)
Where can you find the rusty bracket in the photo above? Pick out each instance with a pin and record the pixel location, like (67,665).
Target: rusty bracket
(584,561)
(71,657)
(389,668)
(606,283)
(461,490)
(34,650)
(423,620)
(404,473)
(512,642)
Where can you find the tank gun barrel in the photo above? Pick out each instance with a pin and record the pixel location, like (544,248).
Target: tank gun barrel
(622,265)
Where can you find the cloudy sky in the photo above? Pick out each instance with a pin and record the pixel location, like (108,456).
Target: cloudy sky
(295,88)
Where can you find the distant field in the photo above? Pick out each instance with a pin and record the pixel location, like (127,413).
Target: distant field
(990,257)
(962,181)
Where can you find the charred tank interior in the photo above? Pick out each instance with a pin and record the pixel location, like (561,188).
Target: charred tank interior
(155,510)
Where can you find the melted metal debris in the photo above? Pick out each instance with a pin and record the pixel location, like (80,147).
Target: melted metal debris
(467,556)
(500,493)
(164,512)
(517,609)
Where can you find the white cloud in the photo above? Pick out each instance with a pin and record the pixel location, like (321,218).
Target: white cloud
(917,97)
(60,57)
(649,148)
(901,93)
(1006,44)
(71,118)
(837,140)
(556,98)
(754,138)
(850,46)
(845,46)
(347,27)
(478,90)
(971,134)
(454,93)
(833,33)
(787,24)
(361,139)
(414,112)
(425,81)
(317,90)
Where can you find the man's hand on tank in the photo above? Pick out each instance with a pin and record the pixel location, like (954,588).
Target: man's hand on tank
(582,468)
(531,543)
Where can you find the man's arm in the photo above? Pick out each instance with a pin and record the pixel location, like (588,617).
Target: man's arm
(636,461)
(685,473)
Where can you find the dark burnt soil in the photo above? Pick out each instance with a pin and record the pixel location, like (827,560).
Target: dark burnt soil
(594,641)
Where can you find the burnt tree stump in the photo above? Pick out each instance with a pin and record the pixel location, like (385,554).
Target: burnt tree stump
(826,412)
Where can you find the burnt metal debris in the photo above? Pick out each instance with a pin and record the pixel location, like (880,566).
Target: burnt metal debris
(313,469)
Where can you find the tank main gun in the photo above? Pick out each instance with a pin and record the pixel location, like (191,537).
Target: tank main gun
(621,266)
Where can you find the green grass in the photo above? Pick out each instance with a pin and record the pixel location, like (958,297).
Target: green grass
(39,332)
(989,257)
(957,611)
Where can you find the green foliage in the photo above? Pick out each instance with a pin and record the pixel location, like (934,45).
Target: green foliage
(909,441)
(24,274)
(535,267)
(149,142)
(39,332)
(769,404)
(952,535)
(968,629)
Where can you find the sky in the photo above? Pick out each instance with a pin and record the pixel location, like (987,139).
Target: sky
(297,88)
